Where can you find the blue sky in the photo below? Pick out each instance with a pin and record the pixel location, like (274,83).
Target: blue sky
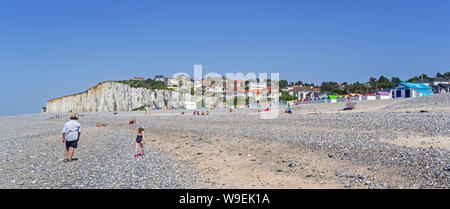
(54,48)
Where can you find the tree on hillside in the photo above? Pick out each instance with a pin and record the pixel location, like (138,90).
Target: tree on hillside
(299,83)
(330,86)
(309,84)
(286,97)
(283,84)
(372,81)
(384,83)
(395,80)
(357,88)
(417,78)
(440,75)
(447,75)
(413,79)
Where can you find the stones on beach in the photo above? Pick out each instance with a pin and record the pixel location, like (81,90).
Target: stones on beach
(348,175)
(362,139)
(292,164)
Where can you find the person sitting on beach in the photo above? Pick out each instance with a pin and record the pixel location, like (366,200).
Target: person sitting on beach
(132,121)
(70,136)
(140,140)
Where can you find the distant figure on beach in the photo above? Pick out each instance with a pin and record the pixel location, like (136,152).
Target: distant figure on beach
(289,110)
(70,136)
(203,112)
(100,125)
(231,110)
(140,140)
(207,112)
(132,121)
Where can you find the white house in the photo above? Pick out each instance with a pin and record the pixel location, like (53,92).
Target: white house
(439,80)
(369,97)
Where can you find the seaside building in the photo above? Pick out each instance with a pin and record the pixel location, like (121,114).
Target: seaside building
(439,80)
(160,78)
(306,92)
(190,105)
(138,78)
(369,97)
(441,88)
(172,83)
(383,95)
(406,90)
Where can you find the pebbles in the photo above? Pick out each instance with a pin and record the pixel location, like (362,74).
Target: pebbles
(104,160)
(106,155)
(434,100)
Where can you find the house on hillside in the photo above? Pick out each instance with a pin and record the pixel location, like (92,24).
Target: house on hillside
(369,97)
(441,88)
(406,90)
(160,78)
(424,81)
(439,80)
(172,83)
(139,78)
(306,92)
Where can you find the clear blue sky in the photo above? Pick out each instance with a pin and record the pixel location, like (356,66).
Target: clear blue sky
(54,48)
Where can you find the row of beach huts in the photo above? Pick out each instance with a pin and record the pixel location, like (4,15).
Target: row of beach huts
(399,90)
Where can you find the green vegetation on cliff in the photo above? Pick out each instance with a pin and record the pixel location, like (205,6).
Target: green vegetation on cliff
(148,84)
(139,108)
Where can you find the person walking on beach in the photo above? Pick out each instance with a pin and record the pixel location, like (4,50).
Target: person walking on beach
(70,136)
(140,140)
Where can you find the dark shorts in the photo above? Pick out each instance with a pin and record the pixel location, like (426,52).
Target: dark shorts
(138,139)
(73,144)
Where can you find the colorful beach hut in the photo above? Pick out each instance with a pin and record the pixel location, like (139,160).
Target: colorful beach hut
(406,90)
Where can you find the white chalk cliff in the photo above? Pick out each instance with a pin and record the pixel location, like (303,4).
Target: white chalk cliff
(114,96)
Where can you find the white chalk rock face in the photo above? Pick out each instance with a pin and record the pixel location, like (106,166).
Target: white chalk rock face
(114,96)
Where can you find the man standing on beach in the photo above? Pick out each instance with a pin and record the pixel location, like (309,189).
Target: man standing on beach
(70,135)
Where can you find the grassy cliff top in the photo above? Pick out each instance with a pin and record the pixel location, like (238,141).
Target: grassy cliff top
(148,84)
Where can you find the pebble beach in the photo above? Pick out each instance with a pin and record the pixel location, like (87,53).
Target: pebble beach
(395,143)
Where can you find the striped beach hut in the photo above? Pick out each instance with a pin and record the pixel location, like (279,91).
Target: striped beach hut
(406,90)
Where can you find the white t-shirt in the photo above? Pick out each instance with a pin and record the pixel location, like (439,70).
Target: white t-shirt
(71,129)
